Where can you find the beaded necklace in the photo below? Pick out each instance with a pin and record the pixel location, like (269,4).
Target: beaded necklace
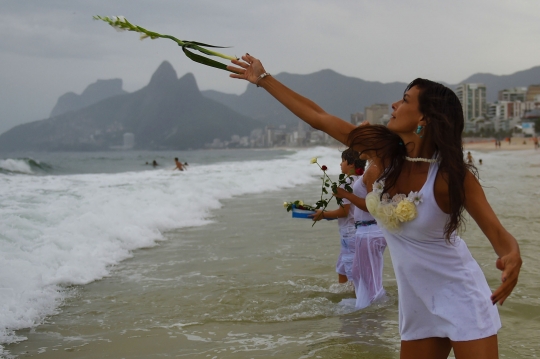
(420,159)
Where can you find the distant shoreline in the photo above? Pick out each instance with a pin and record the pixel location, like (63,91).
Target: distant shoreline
(516,144)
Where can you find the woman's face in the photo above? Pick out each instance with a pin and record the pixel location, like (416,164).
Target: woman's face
(406,115)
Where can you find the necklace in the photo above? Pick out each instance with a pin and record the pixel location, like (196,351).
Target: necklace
(420,159)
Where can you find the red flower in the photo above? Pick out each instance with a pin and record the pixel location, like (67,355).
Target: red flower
(324,168)
(359,171)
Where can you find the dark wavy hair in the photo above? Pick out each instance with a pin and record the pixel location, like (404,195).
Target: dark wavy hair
(443,113)
(353,157)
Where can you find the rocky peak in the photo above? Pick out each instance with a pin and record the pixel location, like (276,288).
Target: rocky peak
(164,77)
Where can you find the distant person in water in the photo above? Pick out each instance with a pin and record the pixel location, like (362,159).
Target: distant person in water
(154,163)
(470,160)
(179,165)
(480,161)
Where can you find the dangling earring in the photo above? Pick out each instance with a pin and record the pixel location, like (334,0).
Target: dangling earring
(418,130)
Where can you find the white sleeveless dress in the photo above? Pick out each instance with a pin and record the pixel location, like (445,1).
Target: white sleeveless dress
(441,289)
(368,258)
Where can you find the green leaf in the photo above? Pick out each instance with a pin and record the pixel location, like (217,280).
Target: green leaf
(204,60)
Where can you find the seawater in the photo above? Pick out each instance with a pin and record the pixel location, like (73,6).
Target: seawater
(103,256)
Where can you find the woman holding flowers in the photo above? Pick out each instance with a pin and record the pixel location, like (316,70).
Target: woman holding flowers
(368,263)
(352,166)
(418,200)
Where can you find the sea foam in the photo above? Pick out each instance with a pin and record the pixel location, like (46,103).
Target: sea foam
(57,231)
(11,165)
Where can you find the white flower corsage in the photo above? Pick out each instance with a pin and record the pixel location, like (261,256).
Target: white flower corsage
(391,212)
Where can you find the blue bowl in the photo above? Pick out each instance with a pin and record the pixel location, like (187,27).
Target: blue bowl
(301,213)
(305,213)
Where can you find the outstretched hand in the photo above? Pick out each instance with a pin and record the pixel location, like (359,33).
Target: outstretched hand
(248,68)
(510,265)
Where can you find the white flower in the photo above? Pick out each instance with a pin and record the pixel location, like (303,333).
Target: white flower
(121,19)
(390,213)
(372,202)
(398,198)
(415,197)
(387,215)
(378,186)
(313,160)
(405,211)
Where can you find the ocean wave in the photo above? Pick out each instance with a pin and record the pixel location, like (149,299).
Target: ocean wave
(57,231)
(23,166)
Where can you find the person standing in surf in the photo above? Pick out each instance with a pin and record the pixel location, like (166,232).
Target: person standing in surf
(418,199)
(353,166)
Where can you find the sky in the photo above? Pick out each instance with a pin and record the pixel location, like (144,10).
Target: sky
(50,47)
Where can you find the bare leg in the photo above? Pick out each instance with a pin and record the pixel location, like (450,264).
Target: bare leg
(485,348)
(429,348)
(342,278)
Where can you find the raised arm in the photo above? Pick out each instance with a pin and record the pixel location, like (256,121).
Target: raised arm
(250,69)
(354,199)
(504,244)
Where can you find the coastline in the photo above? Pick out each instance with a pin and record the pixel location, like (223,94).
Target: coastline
(516,144)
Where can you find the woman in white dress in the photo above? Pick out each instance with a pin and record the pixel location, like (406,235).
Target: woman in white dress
(418,200)
(368,263)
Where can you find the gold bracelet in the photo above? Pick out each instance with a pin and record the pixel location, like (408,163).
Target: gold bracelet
(261,76)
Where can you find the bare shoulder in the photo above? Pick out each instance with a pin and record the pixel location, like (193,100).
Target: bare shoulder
(371,175)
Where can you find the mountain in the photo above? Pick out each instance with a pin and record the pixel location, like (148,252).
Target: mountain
(495,83)
(341,95)
(335,93)
(99,90)
(168,113)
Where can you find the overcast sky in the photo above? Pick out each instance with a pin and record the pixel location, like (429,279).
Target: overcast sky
(50,47)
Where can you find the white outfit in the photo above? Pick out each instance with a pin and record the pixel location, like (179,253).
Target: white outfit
(368,259)
(347,239)
(442,290)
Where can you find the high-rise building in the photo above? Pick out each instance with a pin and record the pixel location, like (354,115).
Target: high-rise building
(473,100)
(513,94)
(532,92)
(374,113)
(129,140)
(357,118)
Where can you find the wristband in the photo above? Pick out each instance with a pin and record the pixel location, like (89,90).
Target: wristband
(261,76)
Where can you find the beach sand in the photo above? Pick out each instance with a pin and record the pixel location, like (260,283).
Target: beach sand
(516,144)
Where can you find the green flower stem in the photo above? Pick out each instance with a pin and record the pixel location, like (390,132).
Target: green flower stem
(120,23)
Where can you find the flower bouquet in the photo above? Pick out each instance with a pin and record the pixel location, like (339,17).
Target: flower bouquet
(344,180)
(391,212)
(301,210)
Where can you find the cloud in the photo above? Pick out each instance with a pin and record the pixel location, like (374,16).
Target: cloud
(54,46)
